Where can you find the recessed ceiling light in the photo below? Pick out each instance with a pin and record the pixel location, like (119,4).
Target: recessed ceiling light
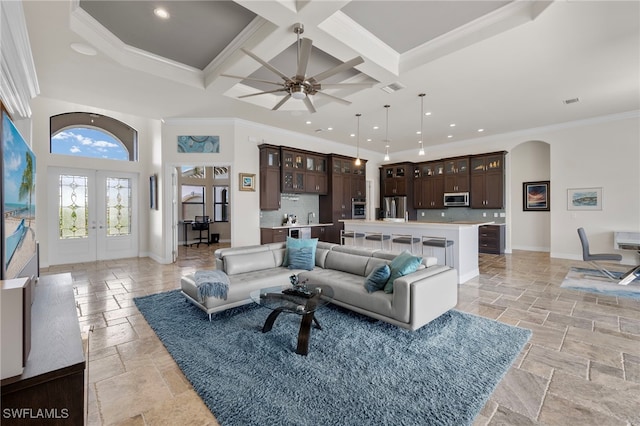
(353,135)
(368,139)
(452,125)
(161,13)
(376,127)
(84,49)
(418,132)
(329,128)
(427,113)
(481,130)
(450,136)
(308,122)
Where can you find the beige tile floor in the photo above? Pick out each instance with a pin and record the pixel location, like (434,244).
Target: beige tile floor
(581,366)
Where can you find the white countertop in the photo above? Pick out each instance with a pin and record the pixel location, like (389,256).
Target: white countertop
(416,223)
(297,225)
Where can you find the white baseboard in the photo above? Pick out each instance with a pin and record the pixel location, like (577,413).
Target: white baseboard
(531,248)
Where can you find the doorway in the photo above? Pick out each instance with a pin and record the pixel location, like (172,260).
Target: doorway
(202,190)
(96,215)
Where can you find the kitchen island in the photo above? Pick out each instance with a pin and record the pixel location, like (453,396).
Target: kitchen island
(463,234)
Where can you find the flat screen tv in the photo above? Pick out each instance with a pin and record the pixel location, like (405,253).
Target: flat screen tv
(19,245)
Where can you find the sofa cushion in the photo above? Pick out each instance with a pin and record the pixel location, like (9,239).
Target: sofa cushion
(301,258)
(346,262)
(405,263)
(373,263)
(321,256)
(247,262)
(297,243)
(377,279)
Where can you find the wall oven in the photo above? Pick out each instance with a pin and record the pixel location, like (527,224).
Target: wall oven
(358,208)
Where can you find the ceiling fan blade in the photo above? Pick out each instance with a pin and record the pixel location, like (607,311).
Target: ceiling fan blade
(266,64)
(303,58)
(333,98)
(342,67)
(279,104)
(309,104)
(251,79)
(346,85)
(263,93)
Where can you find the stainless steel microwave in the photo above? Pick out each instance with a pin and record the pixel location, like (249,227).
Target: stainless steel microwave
(456,199)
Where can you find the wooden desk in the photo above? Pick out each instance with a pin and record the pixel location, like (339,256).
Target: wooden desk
(52,383)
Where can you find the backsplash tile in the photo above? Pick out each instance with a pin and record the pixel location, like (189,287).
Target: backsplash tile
(299,205)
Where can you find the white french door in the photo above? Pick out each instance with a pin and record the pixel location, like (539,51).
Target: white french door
(94,215)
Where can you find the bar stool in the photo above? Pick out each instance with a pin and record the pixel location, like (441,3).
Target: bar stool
(377,236)
(441,242)
(351,236)
(404,239)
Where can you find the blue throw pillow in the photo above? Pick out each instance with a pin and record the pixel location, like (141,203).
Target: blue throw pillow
(377,278)
(405,263)
(297,243)
(302,258)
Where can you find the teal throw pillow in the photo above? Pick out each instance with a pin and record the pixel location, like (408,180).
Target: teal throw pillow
(302,258)
(377,278)
(405,263)
(297,243)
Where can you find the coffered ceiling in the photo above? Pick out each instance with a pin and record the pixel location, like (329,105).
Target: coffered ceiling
(500,66)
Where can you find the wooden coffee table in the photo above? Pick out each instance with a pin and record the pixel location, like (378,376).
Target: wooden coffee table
(306,306)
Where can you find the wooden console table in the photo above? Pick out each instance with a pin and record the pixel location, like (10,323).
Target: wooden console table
(50,390)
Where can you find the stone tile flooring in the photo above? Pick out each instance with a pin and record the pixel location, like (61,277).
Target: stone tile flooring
(581,366)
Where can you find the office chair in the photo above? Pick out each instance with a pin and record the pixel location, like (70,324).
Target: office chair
(200,224)
(593,258)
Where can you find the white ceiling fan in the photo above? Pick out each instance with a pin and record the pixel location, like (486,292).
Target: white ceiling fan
(300,86)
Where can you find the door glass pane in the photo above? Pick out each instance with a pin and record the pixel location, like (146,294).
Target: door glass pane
(73,213)
(118,206)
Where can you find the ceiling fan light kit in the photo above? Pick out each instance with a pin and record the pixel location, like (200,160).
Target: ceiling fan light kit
(300,86)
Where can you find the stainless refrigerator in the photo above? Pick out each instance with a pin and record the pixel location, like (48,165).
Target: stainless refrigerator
(395,207)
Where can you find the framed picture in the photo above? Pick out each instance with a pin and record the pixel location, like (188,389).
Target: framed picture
(153,192)
(584,199)
(536,196)
(247,182)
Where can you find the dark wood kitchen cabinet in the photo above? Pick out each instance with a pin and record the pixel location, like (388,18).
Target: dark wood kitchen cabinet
(491,239)
(428,181)
(293,165)
(269,177)
(395,179)
(456,175)
(346,181)
(487,181)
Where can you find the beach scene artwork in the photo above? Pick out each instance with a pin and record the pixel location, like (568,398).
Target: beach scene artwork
(19,178)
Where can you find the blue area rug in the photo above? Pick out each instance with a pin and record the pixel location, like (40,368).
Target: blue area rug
(594,281)
(358,371)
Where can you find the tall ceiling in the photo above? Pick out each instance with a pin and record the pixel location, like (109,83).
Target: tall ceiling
(500,66)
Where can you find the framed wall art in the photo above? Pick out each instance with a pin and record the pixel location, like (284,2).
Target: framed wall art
(206,144)
(153,192)
(247,182)
(584,199)
(536,196)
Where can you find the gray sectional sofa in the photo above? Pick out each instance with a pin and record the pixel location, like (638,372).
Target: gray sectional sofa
(417,298)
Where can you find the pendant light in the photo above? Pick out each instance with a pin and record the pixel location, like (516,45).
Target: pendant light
(421,152)
(386,139)
(358,162)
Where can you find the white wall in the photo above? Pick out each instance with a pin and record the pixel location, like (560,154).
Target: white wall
(601,152)
(530,230)
(43,108)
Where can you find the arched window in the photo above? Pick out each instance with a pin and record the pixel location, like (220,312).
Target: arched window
(84,134)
